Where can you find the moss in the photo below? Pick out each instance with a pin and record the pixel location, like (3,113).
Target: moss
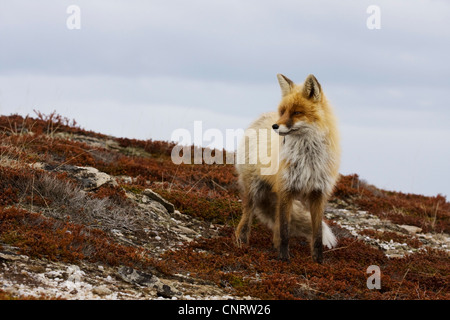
(132,188)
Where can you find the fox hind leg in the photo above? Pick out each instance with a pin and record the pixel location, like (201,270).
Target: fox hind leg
(243,229)
(257,199)
(266,209)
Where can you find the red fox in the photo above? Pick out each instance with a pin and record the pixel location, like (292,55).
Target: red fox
(291,199)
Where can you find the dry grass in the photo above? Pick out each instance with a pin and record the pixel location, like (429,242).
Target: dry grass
(58,197)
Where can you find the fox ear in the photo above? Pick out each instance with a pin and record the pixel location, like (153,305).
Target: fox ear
(312,89)
(286,84)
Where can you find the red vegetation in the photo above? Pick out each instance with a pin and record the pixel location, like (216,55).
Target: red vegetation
(41,237)
(428,213)
(255,271)
(207,192)
(117,195)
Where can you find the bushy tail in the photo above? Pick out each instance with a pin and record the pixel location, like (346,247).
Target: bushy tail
(328,238)
(301,226)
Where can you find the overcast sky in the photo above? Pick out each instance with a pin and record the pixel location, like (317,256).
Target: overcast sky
(142,69)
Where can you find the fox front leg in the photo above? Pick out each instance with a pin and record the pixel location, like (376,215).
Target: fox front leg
(317,205)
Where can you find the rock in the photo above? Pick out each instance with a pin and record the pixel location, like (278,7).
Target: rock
(157,210)
(101,290)
(10,253)
(185,230)
(74,273)
(395,255)
(131,275)
(156,197)
(411,229)
(90,178)
(165,291)
(11,257)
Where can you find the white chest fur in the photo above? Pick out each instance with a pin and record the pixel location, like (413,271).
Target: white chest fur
(309,159)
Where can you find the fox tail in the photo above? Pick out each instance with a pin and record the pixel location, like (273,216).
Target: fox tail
(301,226)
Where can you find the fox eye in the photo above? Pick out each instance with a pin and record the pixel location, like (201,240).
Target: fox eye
(296,113)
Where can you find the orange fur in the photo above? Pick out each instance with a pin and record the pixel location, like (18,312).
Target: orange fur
(306,153)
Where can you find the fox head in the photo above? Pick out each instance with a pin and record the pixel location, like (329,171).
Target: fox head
(300,106)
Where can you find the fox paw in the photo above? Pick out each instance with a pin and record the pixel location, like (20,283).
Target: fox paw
(283,255)
(241,241)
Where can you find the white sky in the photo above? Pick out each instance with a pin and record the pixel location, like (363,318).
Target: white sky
(142,69)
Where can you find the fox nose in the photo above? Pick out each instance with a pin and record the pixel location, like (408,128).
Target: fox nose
(275,126)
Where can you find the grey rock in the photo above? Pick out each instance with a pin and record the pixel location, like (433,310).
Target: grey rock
(131,275)
(90,178)
(11,257)
(411,229)
(102,290)
(156,197)
(165,291)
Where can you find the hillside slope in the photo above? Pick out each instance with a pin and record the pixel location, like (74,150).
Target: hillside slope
(89,216)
